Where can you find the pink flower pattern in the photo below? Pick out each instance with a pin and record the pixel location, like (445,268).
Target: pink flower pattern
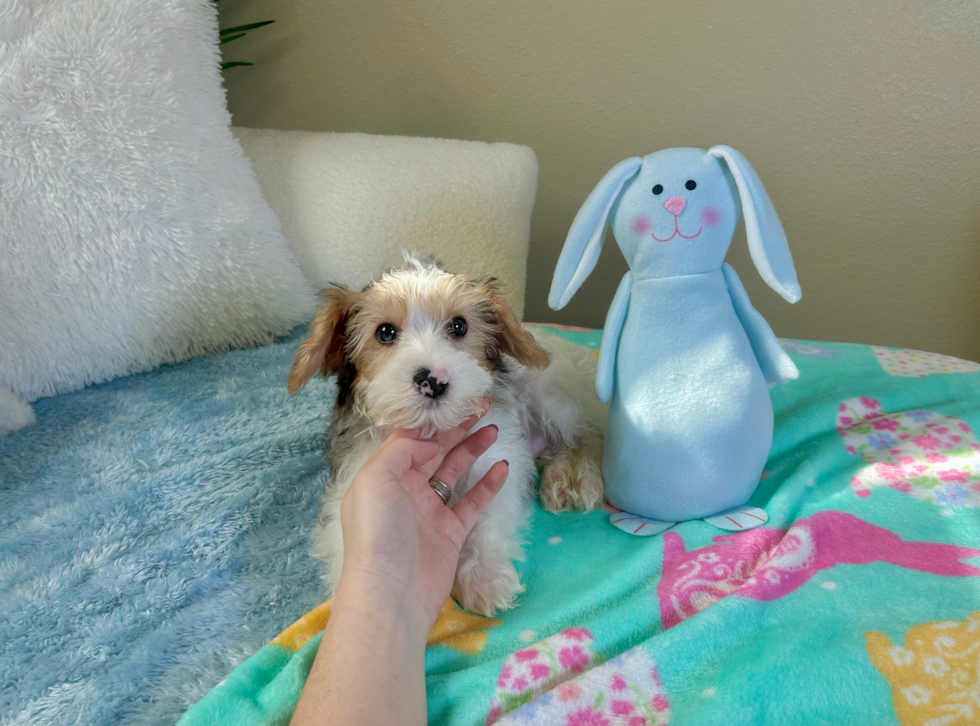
(547,665)
(578,634)
(539,671)
(885,424)
(953,475)
(586,717)
(625,691)
(621,708)
(924,457)
(573,659)
(568,691)
(927,442)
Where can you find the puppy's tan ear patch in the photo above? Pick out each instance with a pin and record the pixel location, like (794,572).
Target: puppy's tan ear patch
(323,350)
(513,338)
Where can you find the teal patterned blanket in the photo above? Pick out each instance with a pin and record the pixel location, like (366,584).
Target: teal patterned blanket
(857,603)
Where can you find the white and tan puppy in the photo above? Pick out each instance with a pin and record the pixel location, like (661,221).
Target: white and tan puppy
(422,348)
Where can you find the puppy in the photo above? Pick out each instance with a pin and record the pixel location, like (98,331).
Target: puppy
(421,348)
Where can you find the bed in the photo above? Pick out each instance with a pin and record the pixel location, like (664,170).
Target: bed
(153,549)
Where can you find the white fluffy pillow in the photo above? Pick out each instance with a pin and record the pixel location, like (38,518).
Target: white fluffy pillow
(132,228)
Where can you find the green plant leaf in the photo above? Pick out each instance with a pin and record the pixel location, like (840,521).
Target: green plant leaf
(235,64)
(232,37)
(242,28)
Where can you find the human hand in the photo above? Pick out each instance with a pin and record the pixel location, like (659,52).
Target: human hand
(400,540)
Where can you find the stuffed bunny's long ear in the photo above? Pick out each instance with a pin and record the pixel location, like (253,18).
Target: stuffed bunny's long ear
(584,242)
(763,230)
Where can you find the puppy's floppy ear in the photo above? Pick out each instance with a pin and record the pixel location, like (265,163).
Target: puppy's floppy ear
(512,337)
(323,350)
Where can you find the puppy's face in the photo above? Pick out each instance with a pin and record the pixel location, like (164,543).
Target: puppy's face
(415,349)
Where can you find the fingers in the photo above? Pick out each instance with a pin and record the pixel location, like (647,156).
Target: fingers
(450,438)
(461,458)
(402,454)
(428,457)
(469,507)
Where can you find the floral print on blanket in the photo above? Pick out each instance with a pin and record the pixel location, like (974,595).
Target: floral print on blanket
(919,364)
(530,672)
(932,457)
(625,691)
(934,674)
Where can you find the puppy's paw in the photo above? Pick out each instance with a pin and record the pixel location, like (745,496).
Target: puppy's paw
(572,480)
(486,586)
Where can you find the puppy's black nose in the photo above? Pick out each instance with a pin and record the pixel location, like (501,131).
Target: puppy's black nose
(429,385)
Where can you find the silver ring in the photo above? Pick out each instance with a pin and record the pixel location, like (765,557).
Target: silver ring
(440,488)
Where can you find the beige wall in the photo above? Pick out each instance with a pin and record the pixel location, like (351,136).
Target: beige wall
(862,118)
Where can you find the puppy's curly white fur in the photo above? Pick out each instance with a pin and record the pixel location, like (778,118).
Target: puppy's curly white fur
(421,348)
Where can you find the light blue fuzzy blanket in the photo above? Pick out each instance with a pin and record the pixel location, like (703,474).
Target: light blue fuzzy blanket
(153,535)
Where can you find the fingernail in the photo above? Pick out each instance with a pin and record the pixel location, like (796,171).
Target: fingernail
(494,427)
(506,463)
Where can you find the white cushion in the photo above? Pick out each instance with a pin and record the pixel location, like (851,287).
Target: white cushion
(132,228)
(350,202)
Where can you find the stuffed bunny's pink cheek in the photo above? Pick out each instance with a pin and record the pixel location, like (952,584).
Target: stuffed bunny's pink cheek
(640,225)
(710,216)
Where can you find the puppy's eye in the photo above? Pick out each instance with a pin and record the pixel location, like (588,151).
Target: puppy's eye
(658,188)
(690,185)
(457,327)
(386,333)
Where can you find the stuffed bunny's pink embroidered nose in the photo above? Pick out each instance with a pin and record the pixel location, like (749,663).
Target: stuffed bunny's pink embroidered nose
(674,205)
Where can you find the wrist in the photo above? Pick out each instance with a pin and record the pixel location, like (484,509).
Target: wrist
(386,602)
(370,666)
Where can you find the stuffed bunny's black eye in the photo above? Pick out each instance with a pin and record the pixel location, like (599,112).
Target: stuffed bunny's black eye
(691,185)
(658,188)
(457,327)
(386,333)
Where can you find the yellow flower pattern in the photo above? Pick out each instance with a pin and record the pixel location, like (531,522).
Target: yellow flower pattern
(934,675)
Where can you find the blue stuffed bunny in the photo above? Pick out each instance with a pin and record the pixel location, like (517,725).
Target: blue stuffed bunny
(685,357)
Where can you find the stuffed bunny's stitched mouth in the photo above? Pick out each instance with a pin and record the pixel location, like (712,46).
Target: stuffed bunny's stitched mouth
(677,232)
